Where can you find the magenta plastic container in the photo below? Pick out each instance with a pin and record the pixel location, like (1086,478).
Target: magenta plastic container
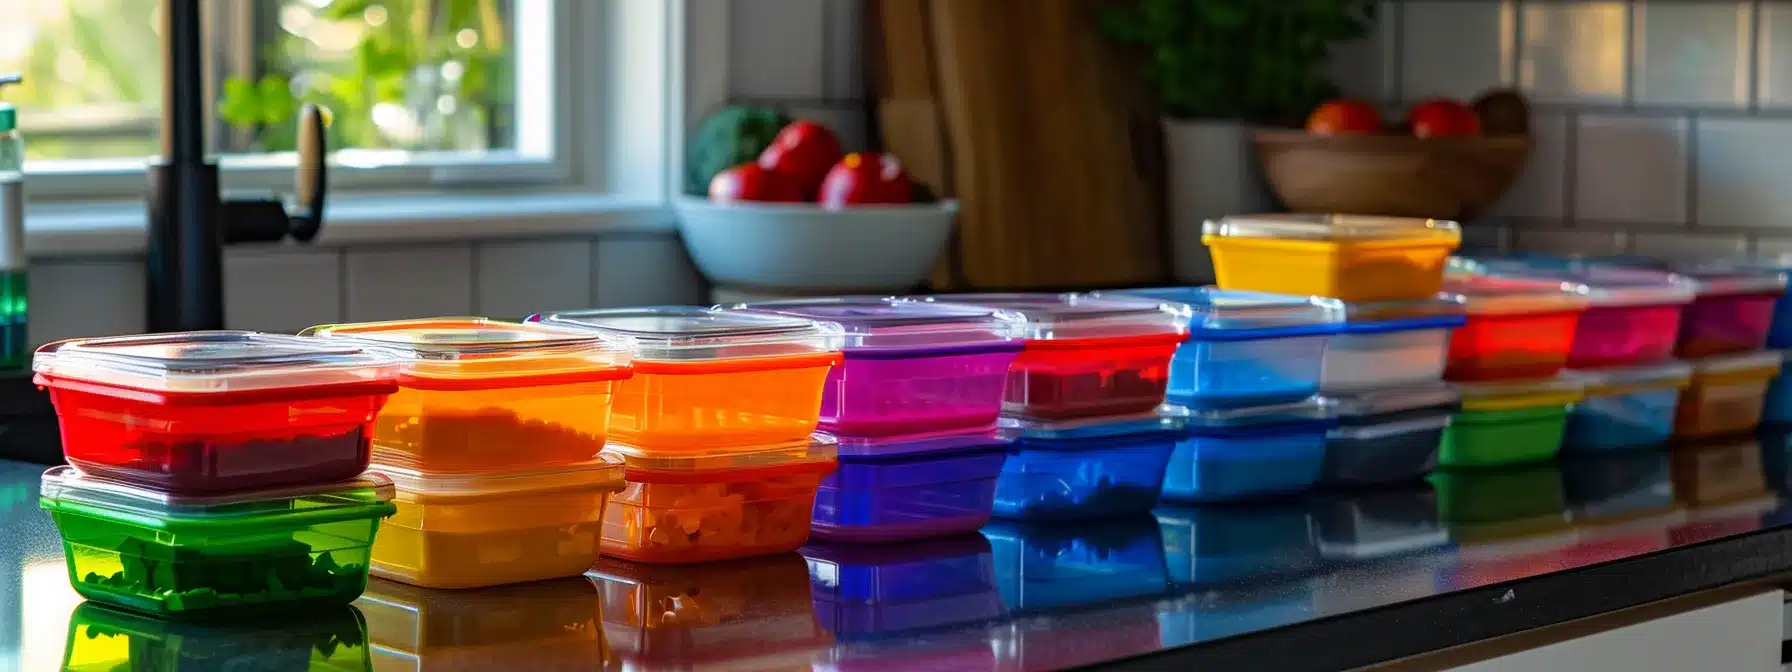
(1733,310)
(1632,318)
(917,488)
(911,367)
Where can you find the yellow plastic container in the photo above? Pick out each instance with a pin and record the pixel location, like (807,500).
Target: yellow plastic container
(1347,257)
(468,531)
(744,614)
(1726,394)
(478,395)
(543,625)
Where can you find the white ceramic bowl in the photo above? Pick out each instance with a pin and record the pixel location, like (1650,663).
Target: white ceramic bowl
(798,246)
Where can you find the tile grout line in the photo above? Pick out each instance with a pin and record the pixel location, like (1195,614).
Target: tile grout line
(1691,166)
(1631,53)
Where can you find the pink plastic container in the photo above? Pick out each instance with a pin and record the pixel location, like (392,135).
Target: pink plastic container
(911,367)
(1632,316)
(1732,312)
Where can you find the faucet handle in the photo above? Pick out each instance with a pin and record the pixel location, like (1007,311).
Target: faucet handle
(311,179)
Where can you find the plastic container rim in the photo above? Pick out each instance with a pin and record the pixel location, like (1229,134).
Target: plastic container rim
(295,363)
(67,484)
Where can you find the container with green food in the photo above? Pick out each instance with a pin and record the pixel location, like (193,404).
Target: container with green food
(103,639)
(267,551)
(1509,423)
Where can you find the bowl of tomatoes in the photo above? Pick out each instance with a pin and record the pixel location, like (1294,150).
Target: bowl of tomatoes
(1444,159)
(803,216)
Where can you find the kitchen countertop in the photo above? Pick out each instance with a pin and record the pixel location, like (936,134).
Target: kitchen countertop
(1323,582)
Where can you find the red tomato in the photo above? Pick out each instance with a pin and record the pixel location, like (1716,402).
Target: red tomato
(1344,117)
(752,182)
(866,178)
(803,152)
(1439,117)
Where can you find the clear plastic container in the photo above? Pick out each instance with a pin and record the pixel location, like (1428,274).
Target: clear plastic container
(934,486)
(1393,344)
(1509,423)
(1084,478)
(874,591)
(541,625)
(910,367)
(1040,568)
(1727,394)
(1517,328)
(1733,310)
(265,552)
(1776,407)
(1625,409)
(481,395)
(216,411)
(1633,314)
(1220,545)
(1086,355)
(1247,348)
(719,505)
(474,530)
(102,639)
(748,614)
(1386,436)
(707,379)
(1247,453)
(1346,257)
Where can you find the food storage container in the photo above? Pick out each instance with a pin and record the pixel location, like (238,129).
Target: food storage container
(1633,314)
(1390,344)
(937,485)
(1049,477)
(473,530)
(910,367)
(1219,545)
(1246,348)
(1379,523)
(102,639)
(1726,395)
(1518,328)
(1733,310)
(1509,423)
(871,591)
(708,379)
(739,615)
(1386,436)
(267,551)
(1057,566)
(545,625)
(1245,453)
(1625,408)
(1086,355)
(481,395)
(1347,257)
(1776,409)
(215,411)
(719,505)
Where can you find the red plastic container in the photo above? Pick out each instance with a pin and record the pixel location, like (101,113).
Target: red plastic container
(216,411)
(1517,328)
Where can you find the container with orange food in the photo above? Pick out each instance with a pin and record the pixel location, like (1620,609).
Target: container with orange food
(708,379)
(479,395)
(716,505)
(1518,328)
(1345,257)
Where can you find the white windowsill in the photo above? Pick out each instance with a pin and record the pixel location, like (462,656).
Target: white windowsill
(112,228)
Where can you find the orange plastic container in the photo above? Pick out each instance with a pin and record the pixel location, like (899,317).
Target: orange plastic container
(1517,328)
(1345,257)
(478,395)
(1726,395)
(707,379)
(754,614)
(715,506)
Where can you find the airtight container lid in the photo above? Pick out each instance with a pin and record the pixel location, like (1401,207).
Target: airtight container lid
(1746,361)
(1374,317)
(462,353)
(1723,277)
(67,489)
(1150,422)
(932,443)
(1309,414)
(1074,315)
(1670,374)
(1333,228)
(690,334)
(817,453)
(1510,395)
(214,362)
(603,473)
(1498,295)
(1230,315)
(875,323)
(1602,285)
(1395,400)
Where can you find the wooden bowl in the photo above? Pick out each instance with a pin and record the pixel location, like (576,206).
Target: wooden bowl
(1451,178)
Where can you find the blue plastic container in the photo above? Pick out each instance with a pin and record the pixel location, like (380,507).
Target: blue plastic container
(868,591)
(1625,409)
(919,487)
(1386,436)
(1085,477)
(1247,348)
(1383,523)
(1776,407)
(1217,545)
(1053,566)
(1247,453)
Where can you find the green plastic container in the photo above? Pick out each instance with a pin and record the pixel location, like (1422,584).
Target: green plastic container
(269,551)
(1509,423)
(102,639)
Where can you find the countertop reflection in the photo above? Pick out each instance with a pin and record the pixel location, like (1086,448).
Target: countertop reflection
(1015,597)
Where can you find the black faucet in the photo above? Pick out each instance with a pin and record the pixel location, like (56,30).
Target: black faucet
(189,223)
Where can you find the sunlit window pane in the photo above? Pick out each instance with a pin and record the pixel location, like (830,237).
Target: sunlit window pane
(93,81)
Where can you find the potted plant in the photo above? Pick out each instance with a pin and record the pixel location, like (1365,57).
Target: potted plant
(1221,67)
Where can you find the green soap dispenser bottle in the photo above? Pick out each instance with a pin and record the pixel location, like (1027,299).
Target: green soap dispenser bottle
(15,348)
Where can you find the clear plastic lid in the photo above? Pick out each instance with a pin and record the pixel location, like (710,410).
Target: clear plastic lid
(1396,400)
(1338,228)
(1215,309)
(65,484)
(1745,361)
(932,443)
(1089,428)
(1297,412)
(1731,277)
(212,361)
(1670,373)
(691,333)
(603,473)
(819,449)
(1602,285)
(1500,295)
(1563,385)
(879,322)
(1080,315)
(467,350)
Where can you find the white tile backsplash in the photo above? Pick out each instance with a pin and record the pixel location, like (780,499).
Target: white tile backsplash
(1365,68)
(1687,245)
(412,281)
(519,278)
(775,49)
(1452,48)
(282,289)
(1539,191)
(1743,173)
(70,298)
(1773,60)
(1567,241)
(1573,52)
(845,61)
(1692,53)
(640,271)
(1630,169)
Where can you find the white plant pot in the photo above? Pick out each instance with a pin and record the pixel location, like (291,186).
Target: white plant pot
(1213,173)
(800,248)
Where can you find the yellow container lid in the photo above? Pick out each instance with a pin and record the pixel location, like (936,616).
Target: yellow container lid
(1514,395)
(1333,228)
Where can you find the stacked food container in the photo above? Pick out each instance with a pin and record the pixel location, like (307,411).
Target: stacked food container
(216,473)
(493,442)
(715,430)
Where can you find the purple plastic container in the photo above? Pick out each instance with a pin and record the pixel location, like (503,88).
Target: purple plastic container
(927,487)
(910,367)
(874,591)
